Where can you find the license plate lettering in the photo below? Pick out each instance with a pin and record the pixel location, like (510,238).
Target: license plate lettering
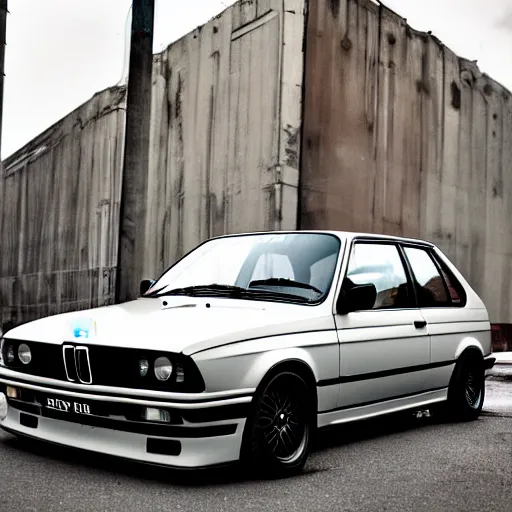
(59,405)
(63,405)
(81,408)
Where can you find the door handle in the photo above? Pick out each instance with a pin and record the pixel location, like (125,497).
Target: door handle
(419,324)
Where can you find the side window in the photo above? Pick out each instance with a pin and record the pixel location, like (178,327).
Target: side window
(380,265)
(430,285)
(455,288)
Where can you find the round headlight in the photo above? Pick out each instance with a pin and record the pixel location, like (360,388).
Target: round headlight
(163,368)
(143,367)
(24,353)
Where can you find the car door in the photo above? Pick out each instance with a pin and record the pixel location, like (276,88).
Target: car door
(384,351)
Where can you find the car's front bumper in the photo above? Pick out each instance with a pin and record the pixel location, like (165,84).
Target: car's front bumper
(202,432)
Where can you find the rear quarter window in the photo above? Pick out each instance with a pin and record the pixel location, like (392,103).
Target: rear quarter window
(435,285)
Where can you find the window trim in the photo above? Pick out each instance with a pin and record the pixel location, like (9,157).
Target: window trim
(383,241)
(410,275)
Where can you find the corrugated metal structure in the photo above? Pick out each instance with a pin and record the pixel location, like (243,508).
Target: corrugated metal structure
(276,114)
(403,137)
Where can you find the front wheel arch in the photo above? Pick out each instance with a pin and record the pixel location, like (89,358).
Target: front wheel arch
(301,370)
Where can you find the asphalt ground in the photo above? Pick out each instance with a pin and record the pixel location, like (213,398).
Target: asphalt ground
(400,463)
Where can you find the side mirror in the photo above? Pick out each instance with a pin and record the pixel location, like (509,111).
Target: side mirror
(358,298)
(145,285)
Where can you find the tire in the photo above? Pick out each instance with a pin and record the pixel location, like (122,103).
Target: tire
(279,430)
(466,393)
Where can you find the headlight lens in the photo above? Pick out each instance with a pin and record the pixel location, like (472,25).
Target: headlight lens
(24,353)
(180,373)
(163,368)
(158,370)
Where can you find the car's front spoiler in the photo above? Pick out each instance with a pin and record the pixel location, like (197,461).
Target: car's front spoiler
(207,467)
(171,452)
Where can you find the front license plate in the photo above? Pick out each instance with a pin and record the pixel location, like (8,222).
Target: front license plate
(70,406)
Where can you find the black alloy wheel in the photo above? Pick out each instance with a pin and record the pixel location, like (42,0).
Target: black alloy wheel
(280,429)
(466,393)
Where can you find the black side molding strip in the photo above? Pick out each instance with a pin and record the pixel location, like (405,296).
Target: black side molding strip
(387,399)
(385,373)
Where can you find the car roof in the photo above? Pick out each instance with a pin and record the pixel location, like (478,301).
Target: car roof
(346,235)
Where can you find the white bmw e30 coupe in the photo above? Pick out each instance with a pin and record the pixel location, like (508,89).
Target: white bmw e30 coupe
(249,344)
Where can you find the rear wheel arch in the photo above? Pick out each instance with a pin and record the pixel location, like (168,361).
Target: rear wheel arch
(468,374)
(469,347)
(471,354)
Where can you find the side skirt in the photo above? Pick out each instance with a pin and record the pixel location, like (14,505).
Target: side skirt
(369,410)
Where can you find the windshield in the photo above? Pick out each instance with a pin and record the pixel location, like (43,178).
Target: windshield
(299,265)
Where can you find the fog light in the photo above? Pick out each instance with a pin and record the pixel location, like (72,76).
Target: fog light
(12,392)
(3,407)
(151,414)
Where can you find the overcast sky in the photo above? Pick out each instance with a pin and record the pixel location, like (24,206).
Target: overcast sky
(60,52)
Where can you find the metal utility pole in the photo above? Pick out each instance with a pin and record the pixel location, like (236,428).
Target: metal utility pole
(136,153)
(3,29)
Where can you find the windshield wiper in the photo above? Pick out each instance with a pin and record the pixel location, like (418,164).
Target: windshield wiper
(224,290)
(205,290)
(279,281)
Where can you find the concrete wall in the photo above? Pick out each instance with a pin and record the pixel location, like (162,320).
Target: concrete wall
(403,137)
(225,143)
(59,214)
(225,129)
(399,136)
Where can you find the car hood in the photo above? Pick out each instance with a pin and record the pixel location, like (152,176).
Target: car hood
(175,324)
